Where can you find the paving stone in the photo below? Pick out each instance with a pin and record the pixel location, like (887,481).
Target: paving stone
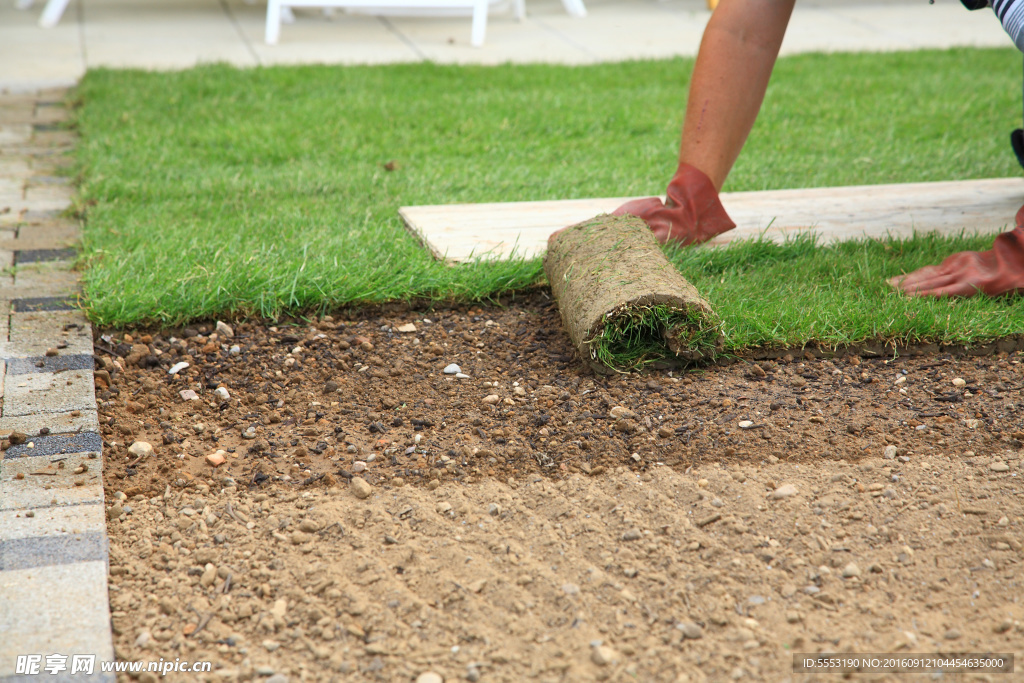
(25,366)
(47,485)
(43,304)
(31,334)
(55,138)
(48,392)
(44,255)
(14,167)
(53,521)
(43,551)
(12,134)
(57,423)
(12,189)
(55,444)
(41,281)
(47,197)
(78,623)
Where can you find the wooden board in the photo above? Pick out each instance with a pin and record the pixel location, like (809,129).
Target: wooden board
(460,232)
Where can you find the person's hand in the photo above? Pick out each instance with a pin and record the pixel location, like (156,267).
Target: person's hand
(1000,270)
(691,214)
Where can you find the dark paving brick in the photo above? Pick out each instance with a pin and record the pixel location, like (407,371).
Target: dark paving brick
(44,255)
(24,366)
(44,303)
(46,551)
(56,444)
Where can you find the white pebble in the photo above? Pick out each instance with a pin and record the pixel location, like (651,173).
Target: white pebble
(177,367)
(452,369)
(358,466)
(222,393)
(461,375)
(784,491)
(746,424)
(890,452)
(959,382)
(141,449)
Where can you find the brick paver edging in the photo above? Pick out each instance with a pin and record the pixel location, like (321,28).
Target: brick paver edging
(53,538)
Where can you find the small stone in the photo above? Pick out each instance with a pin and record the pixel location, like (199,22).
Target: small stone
(17,438)
(793,617)
(235,350)
(358,466)
(114,512)
(277,678)
(494,509)
(951,634)
(746,424)
(176,368)
(271,645)
(300,537)
(430,677)
(570,589)
(1003,626)
(461,375)
(757,371)
(972,423)
(443,507)
(199,427)
(217,458)
(452,369)
(784,491)
(491,399)
(959,382)
(851,571)
(188,395)
(222,393)
(51,352)
(249,433)
(691,630)
(140,449)
(602,655)
(632,535)
(999,466)
(621,412)
(208,577)
(360,488)
(406,328)
(225,330)
(890,452)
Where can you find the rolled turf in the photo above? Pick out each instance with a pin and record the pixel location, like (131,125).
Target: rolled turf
(622,302)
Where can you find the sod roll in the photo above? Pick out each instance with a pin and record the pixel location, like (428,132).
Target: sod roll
(623,303)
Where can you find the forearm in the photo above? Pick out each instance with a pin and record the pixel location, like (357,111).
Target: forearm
(737,54)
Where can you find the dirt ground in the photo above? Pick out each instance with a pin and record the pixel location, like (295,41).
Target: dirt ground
(375,519)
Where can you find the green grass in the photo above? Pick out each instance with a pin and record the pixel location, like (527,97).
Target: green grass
(635,337)
(219,191)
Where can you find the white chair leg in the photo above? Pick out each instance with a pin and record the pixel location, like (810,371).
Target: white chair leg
(520,10)
(479,23)
(575,8)
(287,15)
(52,13)
(273,22)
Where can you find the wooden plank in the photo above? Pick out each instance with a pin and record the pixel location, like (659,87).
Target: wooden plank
(461,232)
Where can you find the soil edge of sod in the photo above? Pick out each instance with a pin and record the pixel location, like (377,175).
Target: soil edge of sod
(623,303)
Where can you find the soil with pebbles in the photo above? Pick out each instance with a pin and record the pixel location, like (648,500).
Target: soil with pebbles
(375,519)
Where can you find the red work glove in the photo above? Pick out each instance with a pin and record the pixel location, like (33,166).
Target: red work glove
(691,214)
(1000,270)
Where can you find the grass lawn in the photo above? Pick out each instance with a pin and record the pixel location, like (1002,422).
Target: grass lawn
(218,191)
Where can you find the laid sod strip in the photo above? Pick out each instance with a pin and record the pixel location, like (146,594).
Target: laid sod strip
(622,303)
(217,191)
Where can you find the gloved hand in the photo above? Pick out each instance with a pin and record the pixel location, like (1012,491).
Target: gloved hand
(691,214)
(1000,270)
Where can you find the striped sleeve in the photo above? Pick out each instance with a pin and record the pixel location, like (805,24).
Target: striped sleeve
(1011,15)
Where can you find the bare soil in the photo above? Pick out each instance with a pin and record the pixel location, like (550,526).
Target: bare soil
(376,519)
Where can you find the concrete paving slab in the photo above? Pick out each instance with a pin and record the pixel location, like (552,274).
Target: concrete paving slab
(35,57)
(54,444)
(23,256)
(32,333)
(15,134)
(48,392)
(74,361)
(57,423)
(54,521)
(41,281)
(13,169)
(31,552)
(78,624)
(46,485)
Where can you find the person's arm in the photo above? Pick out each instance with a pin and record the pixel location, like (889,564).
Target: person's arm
(735,62)
(737,54)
